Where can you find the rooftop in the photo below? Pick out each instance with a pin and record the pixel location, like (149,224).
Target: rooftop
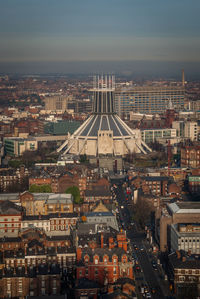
(184,207)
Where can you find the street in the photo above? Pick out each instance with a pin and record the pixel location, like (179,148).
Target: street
(149,275)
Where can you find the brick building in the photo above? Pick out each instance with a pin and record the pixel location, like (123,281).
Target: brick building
(10,218)
(33,264)
(184,274)
(107,263)
(190,156)
(194,183)
(10,177)
(157,185)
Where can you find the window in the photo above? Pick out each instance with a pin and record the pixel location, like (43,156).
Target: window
(96,261)
(181,278)
(54,291)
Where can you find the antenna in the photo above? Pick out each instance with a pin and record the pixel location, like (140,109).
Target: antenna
(183,78)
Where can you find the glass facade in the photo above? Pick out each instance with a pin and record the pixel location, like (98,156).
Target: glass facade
(9,147)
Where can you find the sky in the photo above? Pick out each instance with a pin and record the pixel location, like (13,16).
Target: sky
(51,34)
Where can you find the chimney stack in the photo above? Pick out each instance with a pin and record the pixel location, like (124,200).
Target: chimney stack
(111,243)
(101,240)
(78,254)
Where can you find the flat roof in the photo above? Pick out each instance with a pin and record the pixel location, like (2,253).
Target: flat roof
(184,207)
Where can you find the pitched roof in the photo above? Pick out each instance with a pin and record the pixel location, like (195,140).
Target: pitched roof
(9,208)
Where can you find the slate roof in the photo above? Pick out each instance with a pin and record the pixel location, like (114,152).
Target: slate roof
(116,294)
(85,283)
(97,192)
(190,263)
(9,208)
(153,178)
(49,216)
(99,214)
(84,228)
(105,251)
(125,280)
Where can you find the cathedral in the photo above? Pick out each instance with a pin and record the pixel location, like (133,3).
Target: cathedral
(104,133)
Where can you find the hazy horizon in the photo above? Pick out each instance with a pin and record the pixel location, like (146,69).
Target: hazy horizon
(134,69)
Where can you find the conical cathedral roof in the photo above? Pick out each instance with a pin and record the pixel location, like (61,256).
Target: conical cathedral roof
(102,119)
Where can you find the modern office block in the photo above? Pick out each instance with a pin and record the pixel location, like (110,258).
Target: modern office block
(148,99)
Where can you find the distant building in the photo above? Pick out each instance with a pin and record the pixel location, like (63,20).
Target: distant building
(156,185)
(61,127)
(148,99)
(16,146)
(56,102)
(191,130)
(152,135)
(179,125)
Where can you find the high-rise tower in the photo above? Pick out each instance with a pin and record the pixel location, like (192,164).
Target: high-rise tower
(104,133)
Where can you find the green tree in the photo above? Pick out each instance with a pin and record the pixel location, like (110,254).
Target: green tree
(40,189)
(14,163)
(74,190)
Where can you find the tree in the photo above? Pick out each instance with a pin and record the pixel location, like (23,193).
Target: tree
(40,188)
(14,163)
(28,158)
(83,159)
(74,190)
(141,212)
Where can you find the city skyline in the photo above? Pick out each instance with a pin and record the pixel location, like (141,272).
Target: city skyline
(58,36)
